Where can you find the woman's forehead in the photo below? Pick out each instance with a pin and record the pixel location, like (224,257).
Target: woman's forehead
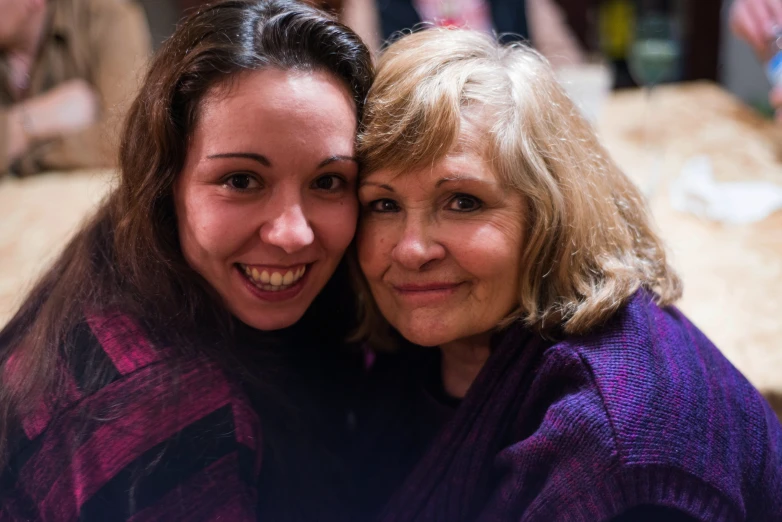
(463,162)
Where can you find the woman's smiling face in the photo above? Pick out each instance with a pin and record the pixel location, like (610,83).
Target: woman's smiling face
(440,247)
(266,202)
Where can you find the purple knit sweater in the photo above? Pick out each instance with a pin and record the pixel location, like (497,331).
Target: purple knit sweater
(644,411)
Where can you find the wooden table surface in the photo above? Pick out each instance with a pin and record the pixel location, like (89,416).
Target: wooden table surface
(732,274)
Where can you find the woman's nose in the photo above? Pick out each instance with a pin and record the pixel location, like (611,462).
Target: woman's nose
(416,246)
(289,228)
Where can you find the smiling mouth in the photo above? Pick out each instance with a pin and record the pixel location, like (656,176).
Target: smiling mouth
(271,279)
(428,294)
(425,288)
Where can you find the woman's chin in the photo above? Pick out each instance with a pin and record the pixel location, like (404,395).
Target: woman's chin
(426,336)
(270,321)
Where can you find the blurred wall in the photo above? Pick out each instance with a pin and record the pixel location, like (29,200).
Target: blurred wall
(739,69)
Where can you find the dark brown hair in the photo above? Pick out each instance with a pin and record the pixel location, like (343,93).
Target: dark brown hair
(127,258)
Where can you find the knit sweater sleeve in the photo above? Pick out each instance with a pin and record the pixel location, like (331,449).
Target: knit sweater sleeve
(769,478)
(657,417)
(573,467)
(138,448)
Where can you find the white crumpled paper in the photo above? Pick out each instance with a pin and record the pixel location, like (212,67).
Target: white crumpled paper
(733,202)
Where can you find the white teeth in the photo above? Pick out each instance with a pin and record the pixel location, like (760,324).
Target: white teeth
(275,281)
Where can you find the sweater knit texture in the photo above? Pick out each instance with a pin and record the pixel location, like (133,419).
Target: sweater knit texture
(154,444)
(644,411)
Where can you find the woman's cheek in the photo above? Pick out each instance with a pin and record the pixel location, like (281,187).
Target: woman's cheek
(222,225)
(374,239)
(339,223)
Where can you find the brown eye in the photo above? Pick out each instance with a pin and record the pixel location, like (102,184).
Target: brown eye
(242,182)
(329,182)
(464,203)
(383,206)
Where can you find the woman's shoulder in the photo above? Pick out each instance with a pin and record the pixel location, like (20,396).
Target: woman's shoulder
(131,416)
(666,405)
(115,363)
(111,354)
(652,362)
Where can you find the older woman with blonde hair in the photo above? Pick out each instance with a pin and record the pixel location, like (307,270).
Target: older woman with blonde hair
(565,385)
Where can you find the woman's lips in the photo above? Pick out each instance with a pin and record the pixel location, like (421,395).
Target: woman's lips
(425,293)
(424,287)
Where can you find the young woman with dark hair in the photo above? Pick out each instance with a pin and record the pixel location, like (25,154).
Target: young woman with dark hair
(184,358)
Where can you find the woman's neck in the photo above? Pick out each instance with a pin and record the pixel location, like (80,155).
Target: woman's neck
(462,361)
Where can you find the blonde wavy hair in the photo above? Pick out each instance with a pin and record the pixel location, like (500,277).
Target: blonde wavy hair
(589,241)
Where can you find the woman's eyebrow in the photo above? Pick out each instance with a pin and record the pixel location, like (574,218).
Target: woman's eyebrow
(375,184)
(337,157)
(263,160)
(457,177)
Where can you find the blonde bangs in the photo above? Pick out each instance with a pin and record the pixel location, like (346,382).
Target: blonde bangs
(401,133)
(415,114)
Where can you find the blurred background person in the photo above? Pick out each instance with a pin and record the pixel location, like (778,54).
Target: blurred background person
(68,69)
(541,21)
(755,21)
(759,23)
